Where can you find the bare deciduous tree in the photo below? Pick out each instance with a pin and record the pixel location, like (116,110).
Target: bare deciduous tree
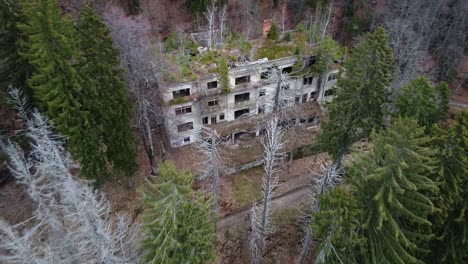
(210,15)
(212,165)
(329,176)
(283,97)
(131,35)
(221,23)
(318,23)
(260,214)
(71,222)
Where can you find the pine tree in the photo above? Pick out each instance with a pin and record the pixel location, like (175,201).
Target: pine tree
(50,48)
(108,100)
(394,188)
(177,220)
(361,94)
(451,226)
(422,101)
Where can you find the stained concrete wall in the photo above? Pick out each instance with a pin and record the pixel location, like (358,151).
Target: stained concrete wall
(200,95)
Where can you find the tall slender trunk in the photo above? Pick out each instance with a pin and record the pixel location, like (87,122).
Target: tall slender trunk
(215,176)
(147,134)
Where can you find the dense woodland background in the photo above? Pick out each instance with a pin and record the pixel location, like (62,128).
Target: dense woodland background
(86,175)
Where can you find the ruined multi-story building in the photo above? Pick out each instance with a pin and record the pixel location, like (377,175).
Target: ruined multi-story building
(191,105)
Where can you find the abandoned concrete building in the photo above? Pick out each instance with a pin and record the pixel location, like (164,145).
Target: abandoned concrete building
(189,106)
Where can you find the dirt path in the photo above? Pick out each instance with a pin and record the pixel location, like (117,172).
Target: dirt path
(459,103)
(286,200)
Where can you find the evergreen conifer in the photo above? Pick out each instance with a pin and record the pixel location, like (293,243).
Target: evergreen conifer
(451,226)
(395,190)
(13,69)
(107,97)
(358,106)
(177,220)
(337,223)
(59,90)
(273,34)
(421,101)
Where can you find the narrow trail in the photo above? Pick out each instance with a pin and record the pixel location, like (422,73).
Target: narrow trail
(289,199)
(459,103)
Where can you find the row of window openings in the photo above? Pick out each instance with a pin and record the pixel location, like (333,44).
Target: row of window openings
(332,77)
(245,79)
(213,119)
(303,120)
(240,80)
(245,97)
(328,92)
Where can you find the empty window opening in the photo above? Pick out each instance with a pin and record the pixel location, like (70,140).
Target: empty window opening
(186,139)
(261,92)
(221,117)
(213,102)
(287,70)
(312,96)
(329,92)
(285,86)
(213,120)
(243,79)
(183,110)
(261,109)
(302,121)
(332,77)
(304,98)
(293,121)
(297,99)
(265,75)
(185,127)
(205,120)
(181,93)
(242,97)
(212,85)
(312,60)
(311,119)
(241,113)
(283,103)
(308,80)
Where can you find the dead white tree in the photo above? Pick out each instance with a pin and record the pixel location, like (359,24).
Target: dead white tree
(210,15)
(410,25)
(329,176)
(212,164)
(71,222)
(221,23)
(131,35)
(283,19)
(284,93)
(318,23)
(250,13)
(260,214)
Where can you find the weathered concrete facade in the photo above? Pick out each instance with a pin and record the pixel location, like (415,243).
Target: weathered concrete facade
(190,106)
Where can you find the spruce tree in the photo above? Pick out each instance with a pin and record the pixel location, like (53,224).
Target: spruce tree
(273,34)
(50,48)
(394,188)
(422,101)
(108,100)
(361,94)
(177,220)
(13,69)
(451,225)
(328,52)
(337,223)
